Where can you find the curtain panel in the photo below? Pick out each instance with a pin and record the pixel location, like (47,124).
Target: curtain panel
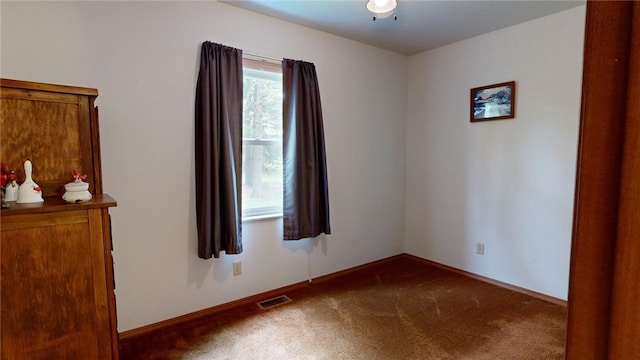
(218,151)
(306,190)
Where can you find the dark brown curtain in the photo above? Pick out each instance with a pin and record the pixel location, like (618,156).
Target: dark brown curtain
(218,148)
(306,191)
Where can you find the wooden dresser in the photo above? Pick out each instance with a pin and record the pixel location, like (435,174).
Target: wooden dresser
(57,296)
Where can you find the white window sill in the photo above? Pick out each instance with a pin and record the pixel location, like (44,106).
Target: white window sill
(260,217)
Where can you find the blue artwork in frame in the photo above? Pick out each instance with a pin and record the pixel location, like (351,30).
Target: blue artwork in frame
(493,102)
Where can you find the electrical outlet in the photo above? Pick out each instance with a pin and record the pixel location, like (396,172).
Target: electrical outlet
(237,268)
(480,248)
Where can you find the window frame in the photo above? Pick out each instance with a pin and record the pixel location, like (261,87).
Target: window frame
(272,66)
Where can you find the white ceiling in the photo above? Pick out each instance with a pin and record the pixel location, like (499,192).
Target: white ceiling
(421,25)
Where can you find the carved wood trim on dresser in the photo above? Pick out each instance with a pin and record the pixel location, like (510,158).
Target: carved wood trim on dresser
(54,126)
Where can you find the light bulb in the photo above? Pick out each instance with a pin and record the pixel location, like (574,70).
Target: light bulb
(381,8)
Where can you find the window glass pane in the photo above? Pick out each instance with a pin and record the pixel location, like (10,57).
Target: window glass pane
(262,142)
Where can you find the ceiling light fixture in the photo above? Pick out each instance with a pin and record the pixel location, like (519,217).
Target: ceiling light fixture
(382,8)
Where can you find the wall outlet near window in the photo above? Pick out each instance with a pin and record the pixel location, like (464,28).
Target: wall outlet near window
(237,268)
(480,248)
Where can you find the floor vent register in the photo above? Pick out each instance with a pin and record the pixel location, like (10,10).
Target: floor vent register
(268,304)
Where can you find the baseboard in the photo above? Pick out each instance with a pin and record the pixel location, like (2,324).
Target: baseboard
(130,334)
(501,284)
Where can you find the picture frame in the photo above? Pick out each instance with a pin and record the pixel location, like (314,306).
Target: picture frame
(493,102)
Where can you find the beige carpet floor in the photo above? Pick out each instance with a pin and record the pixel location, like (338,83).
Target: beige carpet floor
(401,309)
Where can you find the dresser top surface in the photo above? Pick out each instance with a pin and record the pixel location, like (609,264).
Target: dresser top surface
(54,204)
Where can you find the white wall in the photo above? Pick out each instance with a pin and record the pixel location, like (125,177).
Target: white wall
(509,183)
(143,58)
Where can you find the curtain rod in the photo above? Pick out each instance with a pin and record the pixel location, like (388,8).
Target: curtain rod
(260,57)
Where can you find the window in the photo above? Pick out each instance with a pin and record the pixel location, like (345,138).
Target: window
(262,138)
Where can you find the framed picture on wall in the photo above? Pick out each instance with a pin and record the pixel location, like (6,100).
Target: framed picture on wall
(493,102)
